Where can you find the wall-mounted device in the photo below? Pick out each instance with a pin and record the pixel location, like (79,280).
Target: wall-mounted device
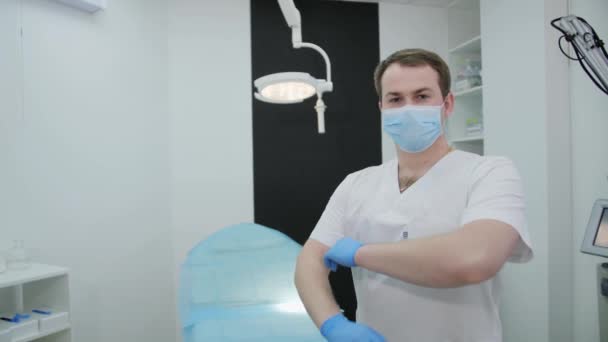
(596,236)
(596,243)
(602,276)
(588,48)
(90,6)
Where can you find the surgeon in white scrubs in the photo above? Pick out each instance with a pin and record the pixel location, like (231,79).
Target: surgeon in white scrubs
(426,233)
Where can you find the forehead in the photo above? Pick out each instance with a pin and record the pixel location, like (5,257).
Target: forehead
(405,79)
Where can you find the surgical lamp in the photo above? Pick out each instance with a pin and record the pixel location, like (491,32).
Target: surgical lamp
(589,48)
(295,87)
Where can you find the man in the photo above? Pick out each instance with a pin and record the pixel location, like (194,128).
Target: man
(425,234)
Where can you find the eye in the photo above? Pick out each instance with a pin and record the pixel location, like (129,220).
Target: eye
(394,99)
(422,97)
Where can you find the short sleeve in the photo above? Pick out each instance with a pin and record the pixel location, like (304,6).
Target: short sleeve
(496,193)
(330,227)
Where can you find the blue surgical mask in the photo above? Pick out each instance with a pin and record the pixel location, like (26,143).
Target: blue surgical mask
(413,128)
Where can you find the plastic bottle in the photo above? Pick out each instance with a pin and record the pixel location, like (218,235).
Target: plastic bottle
(17,256)
(2,263)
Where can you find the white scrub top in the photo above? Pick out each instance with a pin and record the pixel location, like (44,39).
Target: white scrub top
(460,188)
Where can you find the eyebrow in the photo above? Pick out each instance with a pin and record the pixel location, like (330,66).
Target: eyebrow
(417,91)
(422,90)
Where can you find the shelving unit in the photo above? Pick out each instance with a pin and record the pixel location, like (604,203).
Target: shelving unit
(42,335)
(464,39)
(468,139)
(37,286)
(475,91)
(471,46)
(464,4)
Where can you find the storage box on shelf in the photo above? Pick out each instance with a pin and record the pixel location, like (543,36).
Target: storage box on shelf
(6,334)
(38,286)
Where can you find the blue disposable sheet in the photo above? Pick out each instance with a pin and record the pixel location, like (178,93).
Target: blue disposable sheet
(237,285)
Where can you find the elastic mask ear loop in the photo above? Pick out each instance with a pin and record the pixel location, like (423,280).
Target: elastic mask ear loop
(444,119)
(443,107)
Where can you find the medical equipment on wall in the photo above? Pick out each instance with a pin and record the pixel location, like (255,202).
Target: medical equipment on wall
(592,56)
(596,235)
(596,243)
(295,87)
(589,48)
(602,277)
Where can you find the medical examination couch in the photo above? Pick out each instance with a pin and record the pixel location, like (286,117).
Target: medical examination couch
(237,285)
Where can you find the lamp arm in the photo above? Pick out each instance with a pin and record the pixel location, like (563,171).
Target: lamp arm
(319,50)
(294,21)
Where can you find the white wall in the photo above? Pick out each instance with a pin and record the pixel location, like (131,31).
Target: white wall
(91,186)
(10,112)
(526,119)
(210,94)
(559,180)
(210,89)
(590,171)
(514,92)
(407,26)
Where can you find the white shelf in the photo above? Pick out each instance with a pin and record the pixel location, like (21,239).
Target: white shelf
(37,286)
(478,138)
(472,46)
(470,91)
(33,273)
(464,4)
(41,335)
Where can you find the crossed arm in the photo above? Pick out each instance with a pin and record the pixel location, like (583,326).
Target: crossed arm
(469,255)
(312,282)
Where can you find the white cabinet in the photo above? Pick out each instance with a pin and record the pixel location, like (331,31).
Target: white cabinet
(465,127)
(38,286)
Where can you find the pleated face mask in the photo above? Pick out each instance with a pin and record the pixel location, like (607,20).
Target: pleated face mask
(413,128)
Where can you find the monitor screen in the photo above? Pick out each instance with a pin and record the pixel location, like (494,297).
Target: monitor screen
(601,239)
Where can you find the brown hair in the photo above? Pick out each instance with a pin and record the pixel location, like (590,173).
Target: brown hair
(415,57)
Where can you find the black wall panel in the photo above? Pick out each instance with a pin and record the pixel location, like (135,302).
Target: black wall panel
(296,169)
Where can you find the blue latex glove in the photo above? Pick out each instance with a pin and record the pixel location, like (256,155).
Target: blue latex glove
(342,253)
(339,329)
